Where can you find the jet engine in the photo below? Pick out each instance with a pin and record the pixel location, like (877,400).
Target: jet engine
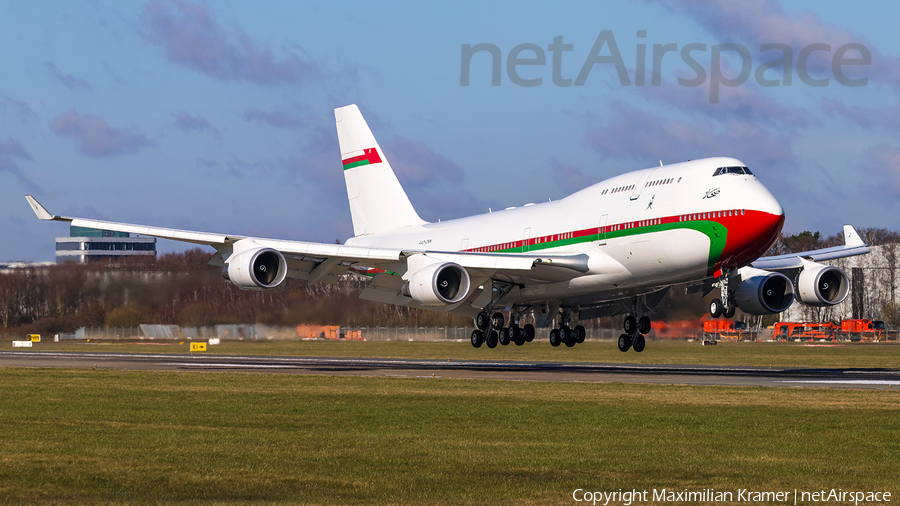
(763,292)
(255,268)
(438,284)
(821,285)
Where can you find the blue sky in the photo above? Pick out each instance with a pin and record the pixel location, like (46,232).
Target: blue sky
(217,116)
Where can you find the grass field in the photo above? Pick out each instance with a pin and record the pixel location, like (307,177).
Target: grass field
(120,437)
(854,355)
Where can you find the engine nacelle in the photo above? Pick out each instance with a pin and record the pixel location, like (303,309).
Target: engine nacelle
(255,268)
(438,284)
(763,292)
(822,285)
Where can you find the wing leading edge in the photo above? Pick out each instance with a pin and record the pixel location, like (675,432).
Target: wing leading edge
(853,245)
(324,262)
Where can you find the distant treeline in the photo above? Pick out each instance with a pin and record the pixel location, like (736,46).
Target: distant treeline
(807,241)
(181,289)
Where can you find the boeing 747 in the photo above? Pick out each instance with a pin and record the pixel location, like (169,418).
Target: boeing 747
(614,247)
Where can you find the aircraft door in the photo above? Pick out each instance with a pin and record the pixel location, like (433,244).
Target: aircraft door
(636,193)
(526,240)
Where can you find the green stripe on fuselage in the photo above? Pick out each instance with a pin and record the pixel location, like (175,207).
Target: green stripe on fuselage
(716,233)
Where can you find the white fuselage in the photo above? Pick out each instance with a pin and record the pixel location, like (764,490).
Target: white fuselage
(640,230)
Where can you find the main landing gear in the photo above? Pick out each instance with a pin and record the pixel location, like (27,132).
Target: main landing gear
(635,329)
(566,335)
(492,330)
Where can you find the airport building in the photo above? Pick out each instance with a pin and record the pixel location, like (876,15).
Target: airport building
(85,244)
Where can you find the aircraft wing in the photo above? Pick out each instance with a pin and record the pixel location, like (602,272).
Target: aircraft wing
(317,262)
(853,245)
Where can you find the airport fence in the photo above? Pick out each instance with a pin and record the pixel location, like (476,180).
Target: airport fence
(453,333)
(266,332)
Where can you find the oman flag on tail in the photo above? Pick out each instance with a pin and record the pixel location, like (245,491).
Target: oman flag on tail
(364,157)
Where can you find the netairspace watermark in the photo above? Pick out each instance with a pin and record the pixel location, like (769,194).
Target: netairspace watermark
(606,52)
(739,496)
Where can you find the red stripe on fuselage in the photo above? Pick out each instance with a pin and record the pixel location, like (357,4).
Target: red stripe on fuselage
(749,234)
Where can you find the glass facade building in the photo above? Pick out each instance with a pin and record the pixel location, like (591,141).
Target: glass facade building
(85,244)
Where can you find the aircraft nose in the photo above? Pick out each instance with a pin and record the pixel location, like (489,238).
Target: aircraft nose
(751,235)
(765,202)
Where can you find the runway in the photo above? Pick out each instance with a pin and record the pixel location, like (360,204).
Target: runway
(466,369)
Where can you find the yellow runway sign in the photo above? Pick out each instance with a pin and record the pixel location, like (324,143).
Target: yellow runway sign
(198,346)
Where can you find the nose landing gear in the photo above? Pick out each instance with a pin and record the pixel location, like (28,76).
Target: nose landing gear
(725,305)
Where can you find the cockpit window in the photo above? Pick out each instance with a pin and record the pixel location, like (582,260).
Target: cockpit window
(738,171)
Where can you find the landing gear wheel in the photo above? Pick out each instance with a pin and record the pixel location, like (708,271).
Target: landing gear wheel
(492,339)
(729,313)
(715,308)
(554,338)
(644,325)
(568,336)
(529,332)
(497,321)
(504,336)
(516,335)
(624,342)
(639,343)
(580,334)
(477,338)
(630,325)
(482,321)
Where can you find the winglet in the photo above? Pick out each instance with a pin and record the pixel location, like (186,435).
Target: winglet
(851,238)
(41,211)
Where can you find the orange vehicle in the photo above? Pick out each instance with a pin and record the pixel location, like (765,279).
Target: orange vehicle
(333,332)
(862,330)
(804,331)
(724,330)
(319,331)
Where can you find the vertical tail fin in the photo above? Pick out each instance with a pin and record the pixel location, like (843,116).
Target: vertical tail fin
(377,201)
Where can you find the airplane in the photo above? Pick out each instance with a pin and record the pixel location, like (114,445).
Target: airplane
(614,247)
